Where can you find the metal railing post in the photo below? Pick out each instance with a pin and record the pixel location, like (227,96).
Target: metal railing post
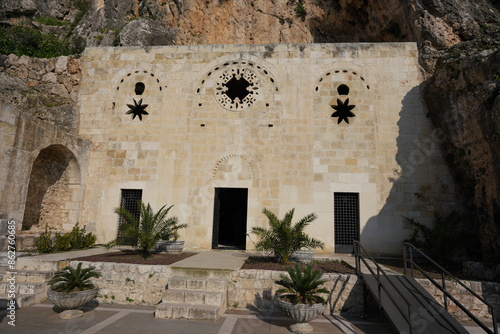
(444,294)
(494,318)
(404,257)
(447,295)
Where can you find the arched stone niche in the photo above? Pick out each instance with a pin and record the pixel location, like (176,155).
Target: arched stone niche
(233,168)
(54,190)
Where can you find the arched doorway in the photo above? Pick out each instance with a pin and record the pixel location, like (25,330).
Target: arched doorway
(54,190)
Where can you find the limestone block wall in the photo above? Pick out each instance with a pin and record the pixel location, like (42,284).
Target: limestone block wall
(311,121)
(124,283)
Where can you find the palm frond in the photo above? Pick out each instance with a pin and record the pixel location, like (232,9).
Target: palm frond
(283,238)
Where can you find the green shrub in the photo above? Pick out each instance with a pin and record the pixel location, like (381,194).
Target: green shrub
(300,11)
(31,42)
(43,243)
(70,279)
(89,240)
(62,243)
(302,288)
(49,21)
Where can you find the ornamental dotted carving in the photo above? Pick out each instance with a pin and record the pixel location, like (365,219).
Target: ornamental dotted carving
(237,88)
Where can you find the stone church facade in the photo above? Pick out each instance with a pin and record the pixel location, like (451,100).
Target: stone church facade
(222,131)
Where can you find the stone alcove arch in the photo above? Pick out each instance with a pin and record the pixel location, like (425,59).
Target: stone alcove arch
(135,94)
(54,189)
(233,167)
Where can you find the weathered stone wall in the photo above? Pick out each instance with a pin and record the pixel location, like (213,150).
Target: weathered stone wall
(46,89)
(489,291)
(22,138)
(124,283)
(281,142)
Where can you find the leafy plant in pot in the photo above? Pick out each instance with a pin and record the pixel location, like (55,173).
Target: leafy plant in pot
(300,297)
(284,238)
(150,228)
(71,288)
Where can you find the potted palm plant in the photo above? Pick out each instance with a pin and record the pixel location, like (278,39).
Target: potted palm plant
(150,228)
(71,288)
(299,298)
(285,239)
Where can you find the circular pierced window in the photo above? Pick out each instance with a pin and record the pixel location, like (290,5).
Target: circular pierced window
(237,89)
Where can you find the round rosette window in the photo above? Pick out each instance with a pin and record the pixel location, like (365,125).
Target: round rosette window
(237,89)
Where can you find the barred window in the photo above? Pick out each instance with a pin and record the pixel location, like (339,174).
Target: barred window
(129,201)
(346,215)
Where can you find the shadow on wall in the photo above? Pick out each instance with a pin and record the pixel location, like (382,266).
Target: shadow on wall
(420,186)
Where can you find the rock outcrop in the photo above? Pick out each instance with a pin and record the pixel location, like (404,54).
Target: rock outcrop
(43,88)
(463,101)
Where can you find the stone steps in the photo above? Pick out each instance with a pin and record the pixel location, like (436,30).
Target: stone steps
(30,287)
(193,298)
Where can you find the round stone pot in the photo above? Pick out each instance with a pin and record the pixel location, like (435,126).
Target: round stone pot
(301,313)
(169,246)
(71,301)
(303,255)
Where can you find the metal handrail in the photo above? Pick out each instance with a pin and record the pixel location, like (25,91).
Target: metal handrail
(446,294)
(358,258)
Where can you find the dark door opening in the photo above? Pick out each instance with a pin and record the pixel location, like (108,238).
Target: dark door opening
(346,216)
(230,218)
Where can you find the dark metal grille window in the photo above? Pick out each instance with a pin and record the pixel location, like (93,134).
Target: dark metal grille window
(129,201)
(346,215)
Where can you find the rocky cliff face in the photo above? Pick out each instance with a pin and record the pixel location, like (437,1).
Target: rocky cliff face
(458,42)
(463,101)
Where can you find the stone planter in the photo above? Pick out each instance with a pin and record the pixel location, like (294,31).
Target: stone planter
(169,246)
(303,255)
(71,301)
(301,313)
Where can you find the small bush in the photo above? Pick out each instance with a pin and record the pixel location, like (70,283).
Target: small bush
(49,21)
(62,243)
(43,243)
(31,42)
(300,11)
(89,240)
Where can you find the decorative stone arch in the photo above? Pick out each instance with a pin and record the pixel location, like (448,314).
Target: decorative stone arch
(233,167)
(340,92)
(241,84)
(134,89)
(55,189)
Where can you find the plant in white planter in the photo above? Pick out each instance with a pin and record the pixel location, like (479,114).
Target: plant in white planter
(71,288)
(150,228)
(299,298)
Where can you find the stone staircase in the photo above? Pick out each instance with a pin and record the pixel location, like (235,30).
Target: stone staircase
(30,287)
(196,298)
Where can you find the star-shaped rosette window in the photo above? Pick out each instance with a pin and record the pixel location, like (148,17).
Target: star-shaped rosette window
(137,109)
(343,111)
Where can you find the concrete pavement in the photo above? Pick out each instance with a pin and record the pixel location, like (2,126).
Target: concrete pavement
(122,319)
